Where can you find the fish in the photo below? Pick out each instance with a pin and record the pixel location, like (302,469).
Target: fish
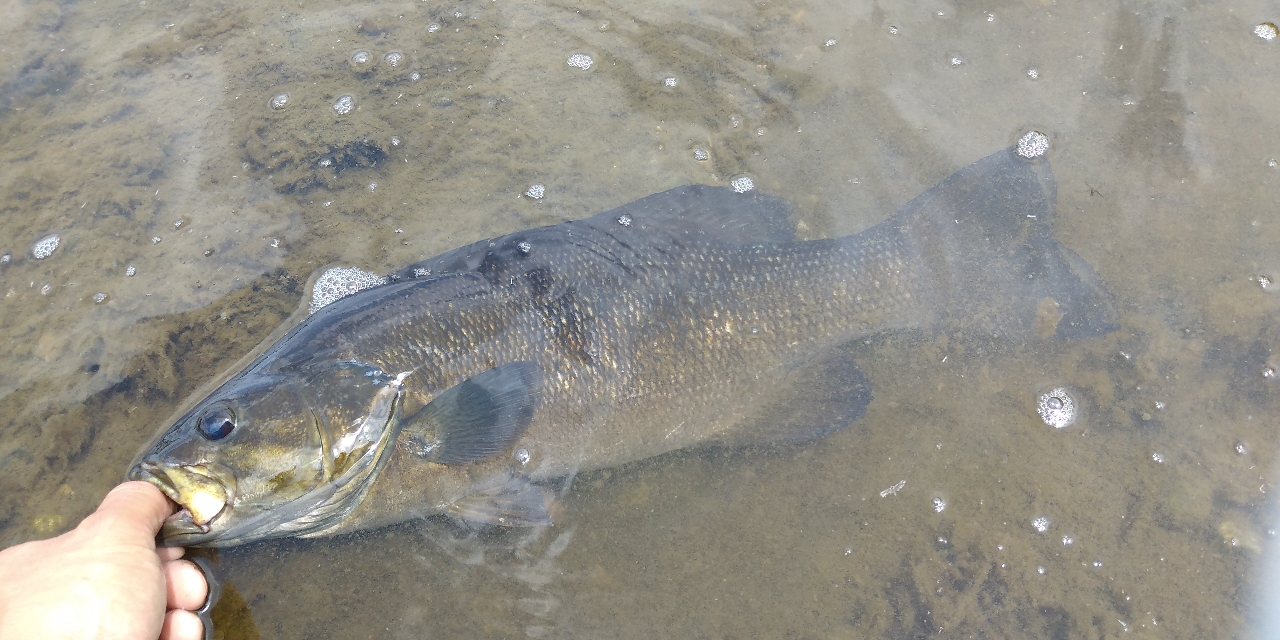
(469,384)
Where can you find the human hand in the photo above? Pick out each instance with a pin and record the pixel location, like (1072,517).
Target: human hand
(105,579)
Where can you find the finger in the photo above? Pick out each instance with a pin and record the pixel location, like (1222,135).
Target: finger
(185,586)
(132,512)
(181,625)
(168,554)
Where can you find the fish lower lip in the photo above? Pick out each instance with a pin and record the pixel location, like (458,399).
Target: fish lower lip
(201,496)
(181,524)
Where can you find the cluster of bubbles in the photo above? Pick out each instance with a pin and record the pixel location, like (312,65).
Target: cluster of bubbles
(701,155)
(340,282)
(580,61)
(522,456)
(1033,74)
(344,105)
(742,184)
(130,271)
(536,191)
(393,58)
(1033,144)
(278,101)
(939,504)
(1040,524)
(830,42)
(1267,31)
(99,297)
(1057,409)
(955,61)
(361,57)
(6,258)
(44,247)
(1157,457)
(670,81)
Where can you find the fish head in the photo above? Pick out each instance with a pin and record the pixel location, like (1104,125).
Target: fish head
(272,455)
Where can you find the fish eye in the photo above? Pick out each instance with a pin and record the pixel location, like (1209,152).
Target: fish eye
(217,423)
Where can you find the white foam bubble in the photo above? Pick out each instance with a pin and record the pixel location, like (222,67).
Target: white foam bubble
(1057,408)
(361,57)
(701,154)
(1040,524)
(130,271)
(580,61)
(99,297)
(393,58)
(742,184)
(344,105)
(536,191)
(1267,31)
(1033,144)
(670,81)
(44,247)
(340,282)
(279,101)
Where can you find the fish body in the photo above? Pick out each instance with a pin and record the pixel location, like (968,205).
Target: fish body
(468,381)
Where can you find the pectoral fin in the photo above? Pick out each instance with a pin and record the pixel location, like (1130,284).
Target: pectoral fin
(479,417)
(518,503)
(823,395)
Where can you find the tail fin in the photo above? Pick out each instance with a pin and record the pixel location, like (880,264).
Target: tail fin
(987,231)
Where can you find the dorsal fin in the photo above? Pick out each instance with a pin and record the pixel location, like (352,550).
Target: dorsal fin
(707,213)
(683,214)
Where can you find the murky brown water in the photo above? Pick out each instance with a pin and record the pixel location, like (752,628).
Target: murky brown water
(142,135)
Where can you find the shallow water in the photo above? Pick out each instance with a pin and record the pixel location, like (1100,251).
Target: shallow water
(129,122)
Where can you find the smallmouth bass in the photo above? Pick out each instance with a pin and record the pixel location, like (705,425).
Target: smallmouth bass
(468,381)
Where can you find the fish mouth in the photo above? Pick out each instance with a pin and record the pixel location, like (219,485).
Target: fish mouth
(202,491)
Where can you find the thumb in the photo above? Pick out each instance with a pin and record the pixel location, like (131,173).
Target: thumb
(132,513)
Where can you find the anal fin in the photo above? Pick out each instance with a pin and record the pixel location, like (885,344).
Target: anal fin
(819,397)
(518,503)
